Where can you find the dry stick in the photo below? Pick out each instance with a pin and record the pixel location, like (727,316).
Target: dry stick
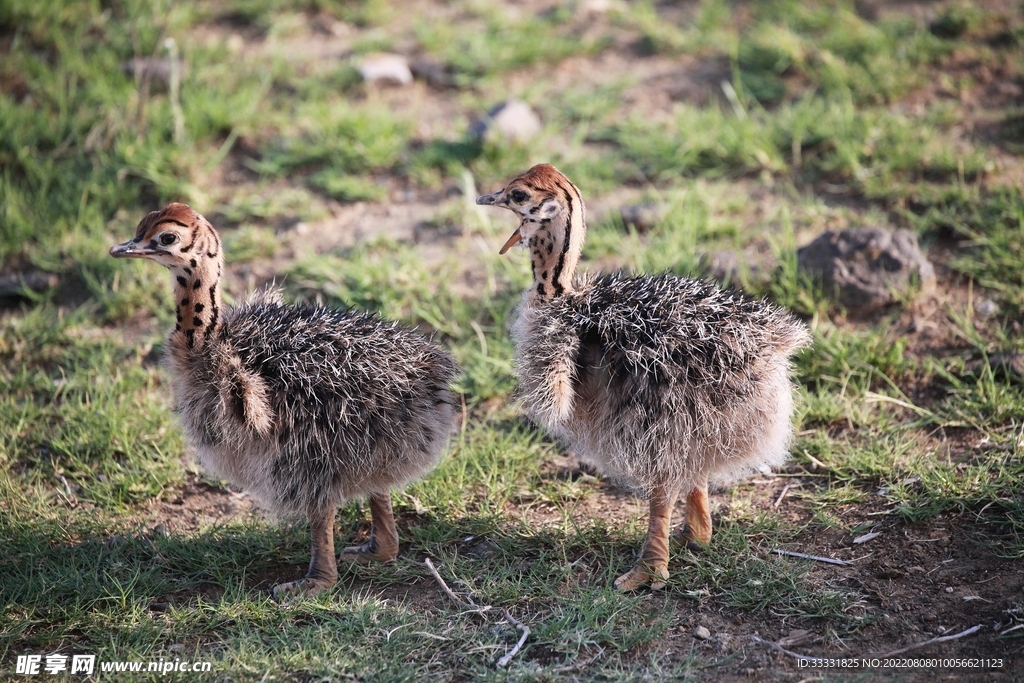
(817,558)
(453,596)
(503,662)
(939,639)
(779,648)
(778,501)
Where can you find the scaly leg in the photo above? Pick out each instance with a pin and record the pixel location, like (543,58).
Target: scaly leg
(383,543)
(696,530)
(323,569)
(652,567)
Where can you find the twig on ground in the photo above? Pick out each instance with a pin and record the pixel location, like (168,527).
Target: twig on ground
(503,662)
(908,648)
(778,501)
(939,639)
(866,537)
(816,558)
(67,489)
(437,577)
(779,648)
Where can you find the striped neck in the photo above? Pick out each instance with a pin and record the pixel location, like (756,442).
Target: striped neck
(556,244)
(197,291)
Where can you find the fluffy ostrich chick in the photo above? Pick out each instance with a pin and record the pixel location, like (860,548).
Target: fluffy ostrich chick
(666,384)
(305,407)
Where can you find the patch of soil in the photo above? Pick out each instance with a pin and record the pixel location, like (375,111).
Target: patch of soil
(198,504)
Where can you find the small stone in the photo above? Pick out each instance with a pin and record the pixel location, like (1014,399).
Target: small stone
(512,120)
(177,647)
(722,265)
(153,69)
(642,217)
(929,617)
(596,6)
(385,69)
(949,589)
(483,549)
(985,308)
(868,268)
(433,72)
(701,633)
(16,284)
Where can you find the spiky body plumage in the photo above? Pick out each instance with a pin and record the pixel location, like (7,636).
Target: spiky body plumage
(673,380)
(307,406)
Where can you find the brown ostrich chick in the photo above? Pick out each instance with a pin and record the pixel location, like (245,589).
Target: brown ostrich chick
(667,384)
(305,407)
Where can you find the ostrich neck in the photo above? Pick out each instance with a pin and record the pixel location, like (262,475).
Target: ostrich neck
(555,250)
(197,299)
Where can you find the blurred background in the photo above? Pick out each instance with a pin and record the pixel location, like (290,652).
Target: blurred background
(858,162)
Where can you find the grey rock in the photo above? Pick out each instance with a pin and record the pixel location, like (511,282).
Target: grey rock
(599,7)
(722,265)
(435,73)
(16,284)
(867,268)
(701,633)
(385,69)
(986,308)
(512,120)
(156,70)
(483,550)
(642,217)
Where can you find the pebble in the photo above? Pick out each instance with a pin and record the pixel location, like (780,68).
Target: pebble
(483,549)
(722,265)
(15,284)
(985,308)
(153,69)
(643,217)
(385,68)
(433,72)
(512,120)
(701,633)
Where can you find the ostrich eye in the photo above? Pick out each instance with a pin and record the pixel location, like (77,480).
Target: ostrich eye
(518,196)
(168,238)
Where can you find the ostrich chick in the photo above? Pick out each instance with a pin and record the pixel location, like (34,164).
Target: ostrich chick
(305,407)
(664,383)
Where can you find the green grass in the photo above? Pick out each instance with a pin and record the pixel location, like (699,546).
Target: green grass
(829,118)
